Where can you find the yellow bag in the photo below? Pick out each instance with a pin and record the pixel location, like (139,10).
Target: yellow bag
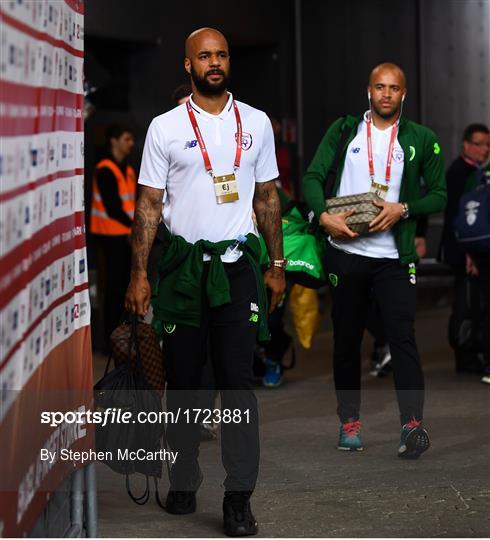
(305,311)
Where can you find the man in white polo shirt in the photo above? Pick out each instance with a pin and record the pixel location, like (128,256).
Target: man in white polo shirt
(212,162)
(382,152)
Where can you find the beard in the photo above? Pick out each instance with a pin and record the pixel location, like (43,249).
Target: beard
(394,111)
(206,87)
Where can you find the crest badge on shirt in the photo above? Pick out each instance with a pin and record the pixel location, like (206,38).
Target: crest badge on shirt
(398,155)
(246,140)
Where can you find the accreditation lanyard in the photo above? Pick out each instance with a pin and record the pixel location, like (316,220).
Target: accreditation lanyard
(202,145)
(479,172)
(470,161)
(390,151)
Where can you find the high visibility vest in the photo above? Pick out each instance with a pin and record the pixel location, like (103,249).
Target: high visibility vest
(100,221)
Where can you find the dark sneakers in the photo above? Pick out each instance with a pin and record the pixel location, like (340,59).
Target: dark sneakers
(414,440)
(180,502)
(184,502)
(238,519)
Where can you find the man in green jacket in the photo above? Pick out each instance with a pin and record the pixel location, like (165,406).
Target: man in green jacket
(387,154)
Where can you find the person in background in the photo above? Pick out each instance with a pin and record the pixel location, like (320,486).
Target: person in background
(181,94)
(111,217)
(273,352)
(462,176)
(478,265)
(280,342)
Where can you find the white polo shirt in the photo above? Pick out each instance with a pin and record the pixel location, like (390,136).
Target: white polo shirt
(355,179)
(172,160)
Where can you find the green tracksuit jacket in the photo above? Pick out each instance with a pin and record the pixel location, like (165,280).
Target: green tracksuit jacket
(423,158)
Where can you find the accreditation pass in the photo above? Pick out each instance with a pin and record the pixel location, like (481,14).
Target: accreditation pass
(226,188)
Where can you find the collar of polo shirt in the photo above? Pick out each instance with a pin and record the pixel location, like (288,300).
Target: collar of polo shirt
(366,116)
(223,115)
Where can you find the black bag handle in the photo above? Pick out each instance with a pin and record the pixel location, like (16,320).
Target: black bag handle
(332,171)
(146,495)
(143,499)
(157,493)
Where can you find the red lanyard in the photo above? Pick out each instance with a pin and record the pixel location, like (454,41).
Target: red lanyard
(471,162)
(390,150)
(202,146)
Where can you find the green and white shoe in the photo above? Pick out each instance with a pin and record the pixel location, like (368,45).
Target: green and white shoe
(350,436)
(414,440)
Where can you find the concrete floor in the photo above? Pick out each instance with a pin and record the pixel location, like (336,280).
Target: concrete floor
(307,488)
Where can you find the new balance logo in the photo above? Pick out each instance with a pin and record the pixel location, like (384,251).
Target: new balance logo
(190,144)
(356,150)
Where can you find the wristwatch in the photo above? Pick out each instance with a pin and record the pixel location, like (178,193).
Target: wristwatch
(279,263)
(405,212)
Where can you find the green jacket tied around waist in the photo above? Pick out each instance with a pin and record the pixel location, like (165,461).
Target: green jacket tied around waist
(178,293)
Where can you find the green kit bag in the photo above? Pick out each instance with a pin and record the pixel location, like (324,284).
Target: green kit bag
(304,248)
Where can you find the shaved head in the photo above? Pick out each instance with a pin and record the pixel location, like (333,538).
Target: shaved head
(386,91)
(207,61)
(195,40)
(388,67)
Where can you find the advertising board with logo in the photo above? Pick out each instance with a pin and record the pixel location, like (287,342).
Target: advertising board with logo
(45,349)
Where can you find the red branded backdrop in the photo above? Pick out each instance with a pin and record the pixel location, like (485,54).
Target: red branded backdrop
(45,349)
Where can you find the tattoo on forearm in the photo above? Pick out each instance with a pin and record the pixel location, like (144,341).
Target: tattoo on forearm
(145,224)
(267,209)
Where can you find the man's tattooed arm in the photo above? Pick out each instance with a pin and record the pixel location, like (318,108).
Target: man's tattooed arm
(268,213)
(145,224)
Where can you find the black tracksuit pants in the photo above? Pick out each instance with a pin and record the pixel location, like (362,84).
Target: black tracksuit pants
(352,279)
(232,333)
